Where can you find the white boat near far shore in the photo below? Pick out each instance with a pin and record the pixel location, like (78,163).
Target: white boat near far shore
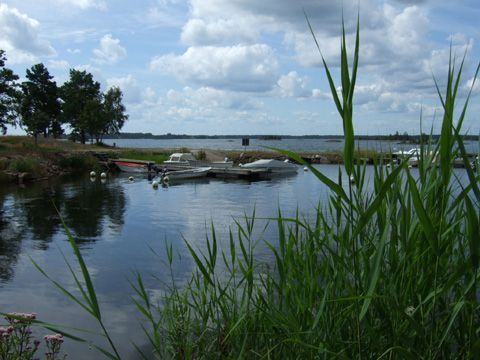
(178,161)
(272,166)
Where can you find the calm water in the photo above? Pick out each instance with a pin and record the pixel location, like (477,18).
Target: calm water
(117,224)
(306,145)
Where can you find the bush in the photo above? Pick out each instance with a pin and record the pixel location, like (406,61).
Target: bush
(201,155)
(27,165)
(79,163)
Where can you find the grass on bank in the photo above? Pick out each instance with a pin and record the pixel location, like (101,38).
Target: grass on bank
(387,273)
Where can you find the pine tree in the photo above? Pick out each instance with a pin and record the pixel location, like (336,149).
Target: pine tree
(9,95)
(40,105)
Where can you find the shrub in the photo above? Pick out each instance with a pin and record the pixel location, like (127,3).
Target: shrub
(27,165)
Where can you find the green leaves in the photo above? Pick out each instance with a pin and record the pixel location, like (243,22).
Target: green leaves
(344,105)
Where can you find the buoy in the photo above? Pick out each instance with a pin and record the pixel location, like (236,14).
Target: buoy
(155,184)
(165,179)
(352,179)
(103,175)
(130,178)
(92,174)
(305,168)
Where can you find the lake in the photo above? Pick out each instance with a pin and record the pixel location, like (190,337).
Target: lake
(121,227)
(301,145)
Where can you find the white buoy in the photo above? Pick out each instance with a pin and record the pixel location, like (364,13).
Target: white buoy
(130,178)
(165,179)
(155,184)
(352,179)
(305,168)
(103,175)
(92,174)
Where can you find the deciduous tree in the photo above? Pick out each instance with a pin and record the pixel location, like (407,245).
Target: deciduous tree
(114,111)
(76,93)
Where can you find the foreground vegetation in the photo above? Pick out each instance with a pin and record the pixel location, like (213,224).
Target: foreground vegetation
(388,272)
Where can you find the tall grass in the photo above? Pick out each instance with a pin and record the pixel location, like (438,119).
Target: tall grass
(390,272)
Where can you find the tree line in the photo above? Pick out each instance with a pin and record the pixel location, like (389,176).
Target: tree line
(40,107)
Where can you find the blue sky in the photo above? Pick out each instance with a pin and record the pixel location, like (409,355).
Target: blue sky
(249,66)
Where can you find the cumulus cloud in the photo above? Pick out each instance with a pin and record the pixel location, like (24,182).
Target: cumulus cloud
(250,68)
(129,86)
(19,37)
(218,32)
(110,50)
(197,110)
(292,85)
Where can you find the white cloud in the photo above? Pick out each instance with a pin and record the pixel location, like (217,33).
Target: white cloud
(219,32)
(110,50)
(292,85)
(129,86)
(19,37)
(59,65)
(251,68)
(86,4)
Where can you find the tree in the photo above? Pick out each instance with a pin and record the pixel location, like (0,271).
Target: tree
(76,93)
(9,95)
(40,106)
(92,117)
(113,111)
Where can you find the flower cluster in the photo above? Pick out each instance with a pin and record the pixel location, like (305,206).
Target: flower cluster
(54,343)
(17,343)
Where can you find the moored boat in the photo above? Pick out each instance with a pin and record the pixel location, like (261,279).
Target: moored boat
(135,166)
(273,166)
(193,173)
(178,161)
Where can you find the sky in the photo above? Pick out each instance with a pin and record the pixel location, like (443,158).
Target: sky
(219,67)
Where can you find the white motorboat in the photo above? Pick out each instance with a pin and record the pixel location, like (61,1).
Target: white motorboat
(273,166)
(188,160)
(193,173)
(413,156)
(181,160)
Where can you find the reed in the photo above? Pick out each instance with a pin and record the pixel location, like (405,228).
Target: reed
(387,273)
(390,272)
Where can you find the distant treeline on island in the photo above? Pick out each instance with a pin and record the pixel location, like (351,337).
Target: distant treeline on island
(399,137)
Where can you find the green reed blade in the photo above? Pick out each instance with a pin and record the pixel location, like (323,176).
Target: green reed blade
(62,289)
(199,263)
(375,272)
(422,214)
(473,232)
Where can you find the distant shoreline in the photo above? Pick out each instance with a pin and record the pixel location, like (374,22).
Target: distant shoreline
(395,137)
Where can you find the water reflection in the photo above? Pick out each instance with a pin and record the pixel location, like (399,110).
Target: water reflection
(29,214)
(10,239)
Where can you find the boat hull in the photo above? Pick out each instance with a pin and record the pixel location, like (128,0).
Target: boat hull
(187,174)
(133,167)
